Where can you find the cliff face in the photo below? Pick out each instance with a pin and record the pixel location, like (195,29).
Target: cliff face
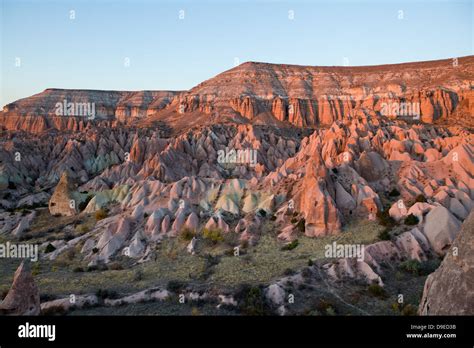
(304,96)
(449,291)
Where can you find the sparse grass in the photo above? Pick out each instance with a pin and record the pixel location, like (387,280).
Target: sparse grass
(262,263)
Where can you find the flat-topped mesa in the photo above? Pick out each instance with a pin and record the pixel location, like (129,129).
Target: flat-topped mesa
(71,109)
(304,96)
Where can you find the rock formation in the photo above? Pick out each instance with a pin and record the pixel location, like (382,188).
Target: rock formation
(449,291)
(23,297)
(65,199)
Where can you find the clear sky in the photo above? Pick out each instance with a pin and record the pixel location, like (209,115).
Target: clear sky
(177,44)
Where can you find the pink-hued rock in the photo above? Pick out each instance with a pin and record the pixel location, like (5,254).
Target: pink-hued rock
(23,297)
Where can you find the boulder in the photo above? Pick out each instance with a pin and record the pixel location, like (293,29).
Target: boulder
(441,227)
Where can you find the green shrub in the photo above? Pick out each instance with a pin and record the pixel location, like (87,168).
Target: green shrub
(411,266)
(49,248)
(377,291)
(385,234)
(409,309)
(385,219)
(100,214)
(411,220)
(394,193)
(251,300)
(213,235)
(175,286)
(429,266)
(186,234)
(78,269)
(420,198)
(290,246)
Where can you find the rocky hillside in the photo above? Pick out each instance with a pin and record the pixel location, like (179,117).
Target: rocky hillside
(304,96)
(261,154)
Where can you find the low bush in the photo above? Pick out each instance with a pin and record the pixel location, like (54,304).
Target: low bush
(213,235)
(394,193)
(409,309)
(290,246)
(385,219)
(100,214)
(186,234)
(411,220)
(377,291)
(251,300)
(49,249)
(385,234)
(420,199)
(175,286)
(105,293)
(411,266)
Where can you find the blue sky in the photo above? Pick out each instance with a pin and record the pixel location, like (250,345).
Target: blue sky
(168,52)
